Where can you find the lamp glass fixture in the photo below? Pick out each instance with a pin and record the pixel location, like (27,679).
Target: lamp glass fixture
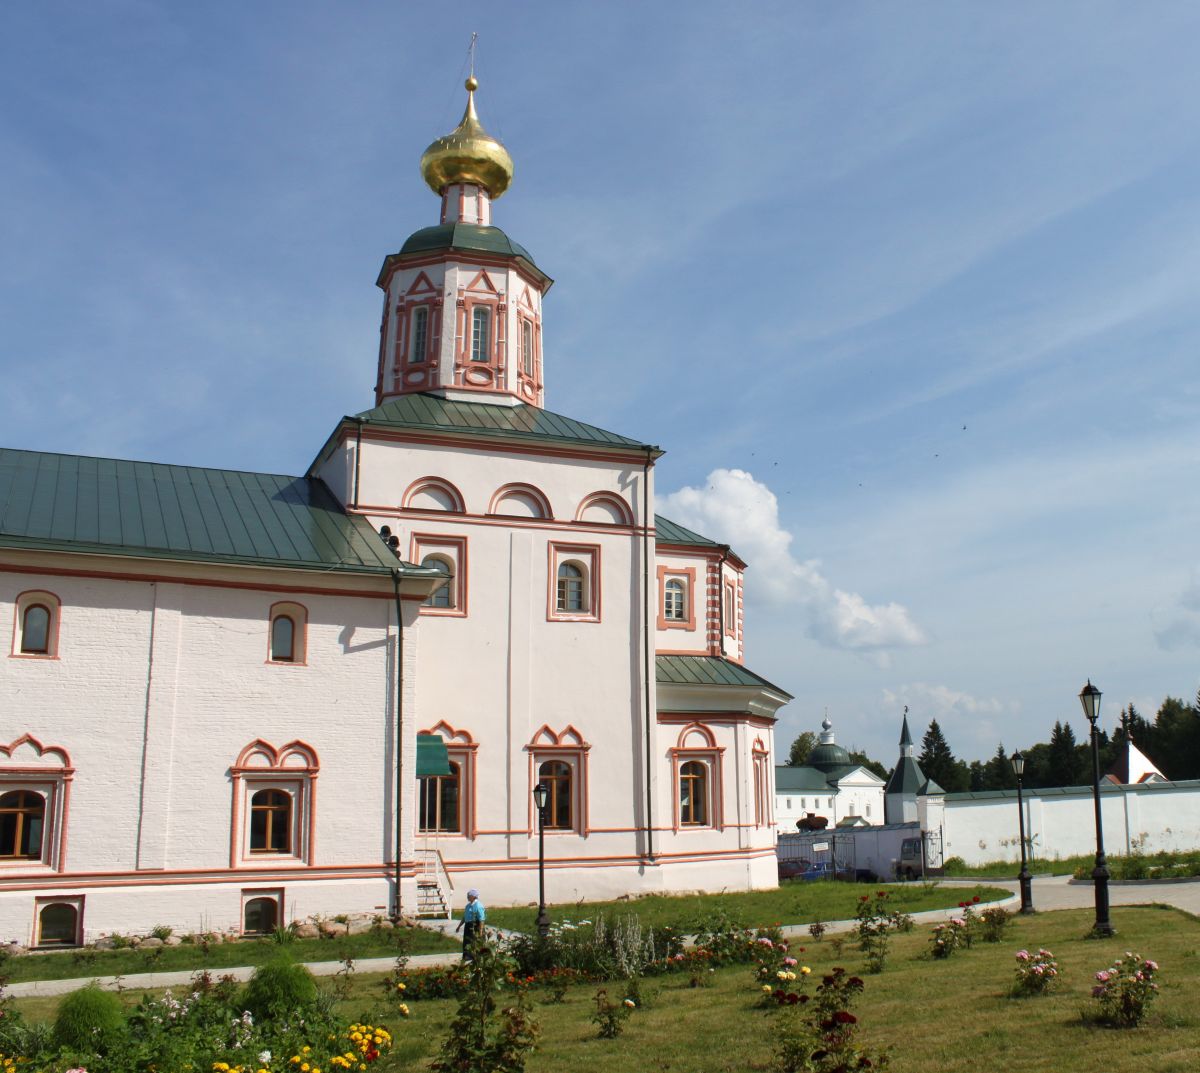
(1089,697)
(1018,764)
(540,794)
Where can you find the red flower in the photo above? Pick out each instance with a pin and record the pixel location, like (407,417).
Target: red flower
(793,998)
(864,898)
(881,894)
(845,1017)
(976,898)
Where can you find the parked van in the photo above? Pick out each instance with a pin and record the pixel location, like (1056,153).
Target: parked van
(912,860)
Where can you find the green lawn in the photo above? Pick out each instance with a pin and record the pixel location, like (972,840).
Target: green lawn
(793,902)
(89,963)
(1064,866)
(950,1016)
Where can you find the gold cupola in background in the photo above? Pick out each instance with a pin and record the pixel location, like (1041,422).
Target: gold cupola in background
(468,154)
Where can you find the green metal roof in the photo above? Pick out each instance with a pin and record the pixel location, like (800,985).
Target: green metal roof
(709,671)
(906,777)
(522,422)
(432,758)
(800,779)
(146,509)
(669,532)
(461,236)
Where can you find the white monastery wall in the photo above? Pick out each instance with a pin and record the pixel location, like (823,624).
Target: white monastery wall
(175,678)
(1153,817)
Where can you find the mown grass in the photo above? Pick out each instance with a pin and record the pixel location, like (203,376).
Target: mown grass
(1064,866)
(1134,866)
(89,963)
(952,1016)
(793,902)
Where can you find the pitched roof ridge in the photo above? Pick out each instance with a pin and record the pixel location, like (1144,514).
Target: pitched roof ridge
(149,462)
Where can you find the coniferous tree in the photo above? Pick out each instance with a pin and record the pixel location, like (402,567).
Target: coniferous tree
(998,772)
(1064,756)
(939,764)
(978,775)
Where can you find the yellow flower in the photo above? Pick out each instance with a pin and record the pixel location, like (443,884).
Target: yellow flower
(805,970)
(401,987)
(766,989)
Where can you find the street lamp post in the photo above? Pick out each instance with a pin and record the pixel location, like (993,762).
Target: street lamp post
(1089,697)
(540,794)
(1026,880)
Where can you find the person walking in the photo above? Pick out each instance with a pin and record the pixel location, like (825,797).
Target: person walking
(471,924)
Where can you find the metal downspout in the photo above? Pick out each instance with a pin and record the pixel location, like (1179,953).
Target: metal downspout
(646,641)
(357,461)
(399,735)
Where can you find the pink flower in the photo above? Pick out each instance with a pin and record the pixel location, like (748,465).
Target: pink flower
(789,961)
(1023,955)
(1102,977)
(1151,965)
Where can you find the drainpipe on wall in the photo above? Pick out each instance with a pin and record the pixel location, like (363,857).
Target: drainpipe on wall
(357,461)
(399,736)
(647,521)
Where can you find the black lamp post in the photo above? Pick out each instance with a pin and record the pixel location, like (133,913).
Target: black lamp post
(1089,697)
(1026,880)
(540,794)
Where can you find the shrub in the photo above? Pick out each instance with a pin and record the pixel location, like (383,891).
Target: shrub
(823,1039)
(1036,973)
(161,931)
(948,938)
(89,1020)
(874,922)
(1125,990)
(480,1037)
(817,931)
(278,989)
(993,923)
(610,1016)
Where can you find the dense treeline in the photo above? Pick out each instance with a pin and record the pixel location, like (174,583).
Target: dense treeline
(1172,742)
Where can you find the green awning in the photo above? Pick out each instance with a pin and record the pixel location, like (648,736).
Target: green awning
(432,758)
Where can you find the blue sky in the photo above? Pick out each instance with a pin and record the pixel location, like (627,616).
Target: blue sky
(908,293)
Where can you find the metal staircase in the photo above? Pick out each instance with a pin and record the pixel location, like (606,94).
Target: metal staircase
(433,885)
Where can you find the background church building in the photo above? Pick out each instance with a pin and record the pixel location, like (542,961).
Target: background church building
(234,699)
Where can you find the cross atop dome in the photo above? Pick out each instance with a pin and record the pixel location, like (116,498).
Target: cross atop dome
(462,315)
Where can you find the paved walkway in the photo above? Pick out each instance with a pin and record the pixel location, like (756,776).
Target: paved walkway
(1058,892)
(1049,892)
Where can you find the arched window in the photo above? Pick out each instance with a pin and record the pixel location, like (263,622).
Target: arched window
(481,323)
(58,924)
(527,347)
(35,630)
(556,776)
(693,793)
(443,597)
(571,588)
(283,639)
(439,796)
(287,638)
(271,822)
(260,916)
(420,334)
(673,596)
(22,816)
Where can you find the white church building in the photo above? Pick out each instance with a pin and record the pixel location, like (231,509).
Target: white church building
(234,699)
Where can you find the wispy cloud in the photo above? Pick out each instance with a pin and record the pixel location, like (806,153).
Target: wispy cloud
(743,512)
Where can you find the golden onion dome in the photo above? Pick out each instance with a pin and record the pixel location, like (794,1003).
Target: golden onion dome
(468,154)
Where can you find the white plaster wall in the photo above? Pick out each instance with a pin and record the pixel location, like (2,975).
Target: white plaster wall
(678,638)
(173,678)
(1063,825)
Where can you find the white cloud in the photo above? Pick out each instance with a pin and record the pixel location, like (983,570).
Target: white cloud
(973,725)
(737,509)
(1182,628)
